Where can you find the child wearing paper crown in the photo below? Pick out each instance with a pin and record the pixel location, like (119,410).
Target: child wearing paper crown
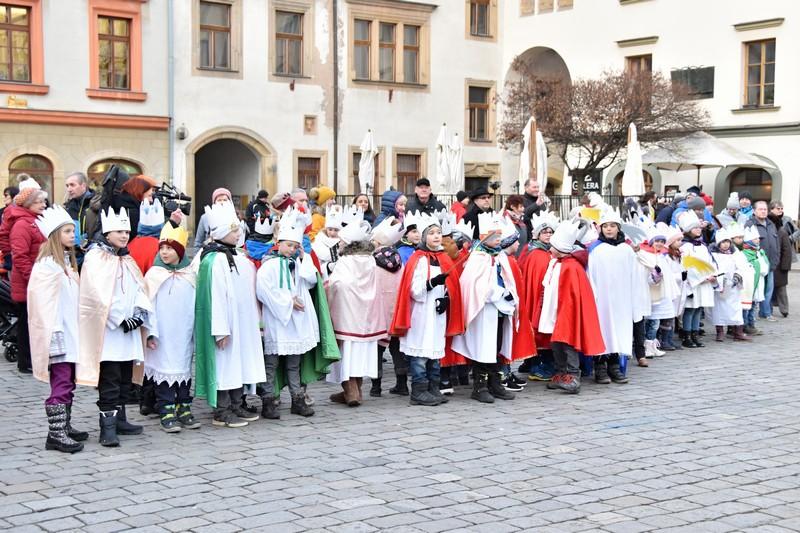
(700,282)
(53,295)
(171,285)
(114,305)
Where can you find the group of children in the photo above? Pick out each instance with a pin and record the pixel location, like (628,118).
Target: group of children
(275,310)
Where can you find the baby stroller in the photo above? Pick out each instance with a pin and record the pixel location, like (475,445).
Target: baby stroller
(8,322)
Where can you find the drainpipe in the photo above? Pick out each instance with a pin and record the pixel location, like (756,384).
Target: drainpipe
(335,27)
(171,91)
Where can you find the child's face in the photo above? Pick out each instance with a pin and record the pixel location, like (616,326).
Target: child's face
(675,245)
(333,233)
(233,237)
(724,246)
(288,248)
(413,236)
(659,245)
(67,235)
(696,232)
(492,241)
(738,241)
(512,250)
(118,239)
(168,254)
(610,230)
(433,238)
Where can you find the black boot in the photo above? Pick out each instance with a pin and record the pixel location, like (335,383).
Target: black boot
(300,407)
(480,391)
(601,372)
(57,437)
(687,342)
(375,390)
(401,388)
(169,422)
(434,387)
(421,396)
(73,433)
(108,428)
(123,426)
(269,408)
(526,366)
(696,340)
(614,370)
(185,417)
(496,388)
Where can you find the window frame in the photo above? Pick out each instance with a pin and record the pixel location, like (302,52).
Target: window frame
(388,45)
(305,8)
(422,155)
(474,9)
(634,64)
(112,38)
(322,155)
(411,48)
(288,37)
(380,171)
(474,109)
(213,30)
(763,63)
(235,19)
(361,43)
(8,28)
(492,17)
(33,171)
(35,52)
(491,112)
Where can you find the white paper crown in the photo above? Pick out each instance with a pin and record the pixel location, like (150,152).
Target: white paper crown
(333,217)
(448,222)
(657,231)
(508,229)
(386,233)
(564,237)
(751,233)
(265,226)
(151,214)
(721,235)
(610,214)
(688,220)
(292,226)
(465,228)
(587,232)
(355,232)
(52,219)
(111,221)
(352,214)
(440,215)
(735,230)
(490,223)
(221,219)
(545,219)
(411,219)
(595,200)
(424,221)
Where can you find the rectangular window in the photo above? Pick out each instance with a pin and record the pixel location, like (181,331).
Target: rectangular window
(288,43)
(479,113)
(411,54)
(361,46)
(308,172)
(408,172)
(479,18)
(759,87)
(113,52)
(386,42)
(15,44)
(639,64)
(215,36)
(699,81)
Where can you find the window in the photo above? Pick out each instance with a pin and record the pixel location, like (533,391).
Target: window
(699,81)
(479,113)
(759,87)
(15,44)
(408,172)
(479,17)
(386,57)
(308,172)
(215,36)
(288,43)
(38,167)
(97,171)
(755,180)
(639,64)
(361,46)
(113,52)
(411,54)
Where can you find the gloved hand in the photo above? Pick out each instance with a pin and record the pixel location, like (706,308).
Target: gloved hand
(442,304)
(130,324)
(684,275)
(508,297)
(437,280)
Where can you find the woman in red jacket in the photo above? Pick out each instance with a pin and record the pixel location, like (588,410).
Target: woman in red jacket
(25,239)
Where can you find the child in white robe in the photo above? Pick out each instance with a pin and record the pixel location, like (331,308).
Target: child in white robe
(326,242)
(727,310)
(699,286)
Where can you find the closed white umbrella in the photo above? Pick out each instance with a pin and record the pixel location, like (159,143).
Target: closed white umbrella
(632,178)
(366,165)
(442,159)
(456,164)
(541,162)
(528,136)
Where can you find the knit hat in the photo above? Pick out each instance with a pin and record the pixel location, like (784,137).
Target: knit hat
(25,196)
(282,201)
(321,194)
(733,201)
(460,195)
(746,194)
(222,191)
(696,203)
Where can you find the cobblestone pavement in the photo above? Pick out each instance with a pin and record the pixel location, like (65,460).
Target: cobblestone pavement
(702,441)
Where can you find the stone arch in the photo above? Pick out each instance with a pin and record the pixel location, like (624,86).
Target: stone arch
(722,183)
(35,149)
(101,155)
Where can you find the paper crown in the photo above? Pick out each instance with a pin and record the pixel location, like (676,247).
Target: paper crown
(735,230)
(440,215)
(545,219)
(425,221)
(448,222)
(587,232)
(52,219)
(595,200)
(751,233)
(508,233)
(352,214)
(411,219)
(721,235)
(355,232)
(610,215)
(178,235)
(688,221)
(656,231)
(464,228)
(221,219)
(333,217)
(292,226)
(387,233)
(489,223)
(111,221)
(151,214)
(265,226)
(564,237)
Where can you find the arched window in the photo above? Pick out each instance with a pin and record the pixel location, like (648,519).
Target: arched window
(755,180)
(648,182)
(99,169)
(38,167)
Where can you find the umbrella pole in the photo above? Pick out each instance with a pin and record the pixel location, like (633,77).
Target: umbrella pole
(698,175)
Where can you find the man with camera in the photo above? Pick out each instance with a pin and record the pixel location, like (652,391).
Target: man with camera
(257,209)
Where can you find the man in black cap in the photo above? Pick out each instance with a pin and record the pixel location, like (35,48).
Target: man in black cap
(423,200)
(480,202)
(746,204)
(257,208)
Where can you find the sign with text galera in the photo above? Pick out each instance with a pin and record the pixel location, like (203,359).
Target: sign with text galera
(591,183)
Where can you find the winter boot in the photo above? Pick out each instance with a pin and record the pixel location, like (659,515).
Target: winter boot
(57,437)
(434,387)
(185,416)
(687,341)
(570,383)
(614,370)
(601,372)
(375,389)
(463,375)
(669,340)
(480,391)
(664,338)
(123,426)
(401,388)
(73,433)
(496,388)
(420,395)
(108,428)
(269,408)
(720,334)
(300,407)
(739,334)
(169,422)
(649,349)
(350,393)
(695,339)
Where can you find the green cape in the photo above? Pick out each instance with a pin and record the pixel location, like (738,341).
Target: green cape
(205,361)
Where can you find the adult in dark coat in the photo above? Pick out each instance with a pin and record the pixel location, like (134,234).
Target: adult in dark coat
(257,208)
(665,215)
(768,234)
(780,297)
(481,202)
(423,200)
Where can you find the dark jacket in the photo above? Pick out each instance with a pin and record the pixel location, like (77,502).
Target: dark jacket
(768,234)
(786,250)
(472,217)
(529,200)
(388,199)
(85,210)
(255,209)
(432,205)
(530,210)
(25,239)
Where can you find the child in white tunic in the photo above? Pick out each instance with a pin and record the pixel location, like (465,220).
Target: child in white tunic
(700,286)
(326,243)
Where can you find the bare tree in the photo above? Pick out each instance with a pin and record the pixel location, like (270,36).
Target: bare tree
(586,121)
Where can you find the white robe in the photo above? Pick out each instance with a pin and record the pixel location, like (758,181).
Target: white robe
(697,284)
(426,336)
(616,277)
(288,331)
(727,310)
(129,298)
(65,321)
(748,279)
(234,313)
(171,361)
(666,294)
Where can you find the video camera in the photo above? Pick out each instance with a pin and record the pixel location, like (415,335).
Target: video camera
(172,199)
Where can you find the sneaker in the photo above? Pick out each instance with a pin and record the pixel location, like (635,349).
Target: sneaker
(227,419)
(771,319)
(169,422)
(244,414)
(518,380)
(541,373)
(570,384)
(445,387)
(185,416)
(510,385)
(555,382)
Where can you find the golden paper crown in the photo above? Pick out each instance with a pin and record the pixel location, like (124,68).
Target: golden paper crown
(179,234)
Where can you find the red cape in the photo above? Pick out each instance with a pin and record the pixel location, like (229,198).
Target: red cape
(401,322)
(534,268)
(144,251)
(524,345)
(576,319)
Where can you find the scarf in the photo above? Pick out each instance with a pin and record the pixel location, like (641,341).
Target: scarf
(488,249)
(227,249)
(285,268)
(104,245)
(620,238)
(538,245)
(696,241)
(183,263)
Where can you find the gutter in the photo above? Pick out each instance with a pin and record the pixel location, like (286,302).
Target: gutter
(171,91)
(335,30)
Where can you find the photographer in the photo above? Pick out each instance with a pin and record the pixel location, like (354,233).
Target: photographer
(257,209)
